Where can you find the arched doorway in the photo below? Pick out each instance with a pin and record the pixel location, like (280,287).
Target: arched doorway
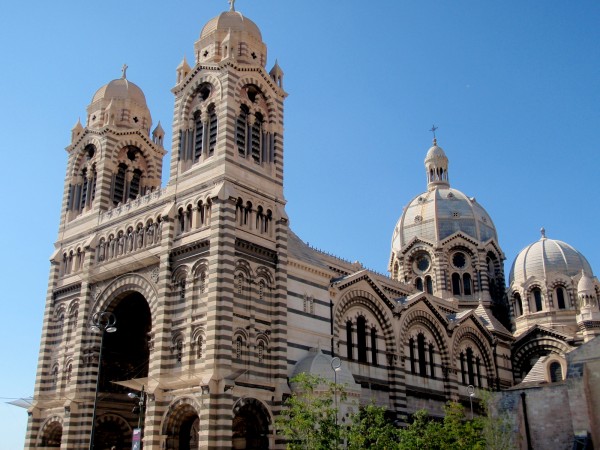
(125,356)
(112,431)
(51,435)
(251,422)
(182,428)
(126,351)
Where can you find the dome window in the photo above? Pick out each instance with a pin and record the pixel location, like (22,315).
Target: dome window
(459,260)
(455,215)
(560,297)
(418,219)
(537,298)
(422,263)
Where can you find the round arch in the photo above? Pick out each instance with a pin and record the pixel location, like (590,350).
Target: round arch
(251,425)
(112,430)
(50,435)
(524,354)
(368,301)
(181,424)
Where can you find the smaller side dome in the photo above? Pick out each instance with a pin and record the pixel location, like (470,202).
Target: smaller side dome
(319,364)
(547,259)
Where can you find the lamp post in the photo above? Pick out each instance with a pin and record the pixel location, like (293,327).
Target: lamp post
(336,364)
(103,322)
(471,392)
(142,408)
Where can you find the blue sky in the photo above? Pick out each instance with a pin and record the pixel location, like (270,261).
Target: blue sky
(513,86)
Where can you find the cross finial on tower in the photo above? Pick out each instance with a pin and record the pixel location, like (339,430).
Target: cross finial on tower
(124,71)
(231,5)
(543,231)
(433,128)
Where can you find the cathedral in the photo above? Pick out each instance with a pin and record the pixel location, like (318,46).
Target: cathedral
(197,303)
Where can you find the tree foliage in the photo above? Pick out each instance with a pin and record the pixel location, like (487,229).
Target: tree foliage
(309,421)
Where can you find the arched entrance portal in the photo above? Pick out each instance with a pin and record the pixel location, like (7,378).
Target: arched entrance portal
(182,428)
(251,422)
(112,432)
(126,351)
(51,435)
(125,356)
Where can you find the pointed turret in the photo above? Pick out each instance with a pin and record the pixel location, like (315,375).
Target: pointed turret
(277,74)
(158,134)
(76,130)
(183,70)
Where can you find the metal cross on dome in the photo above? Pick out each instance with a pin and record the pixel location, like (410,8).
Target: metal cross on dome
(231,5)
(124,71)
(433,128)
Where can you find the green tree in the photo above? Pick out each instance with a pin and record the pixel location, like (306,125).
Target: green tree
(309,419)
(454,433)
(370,429)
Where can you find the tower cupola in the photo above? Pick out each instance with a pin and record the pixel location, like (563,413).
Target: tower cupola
(231,35)
(436,166)
(120,103)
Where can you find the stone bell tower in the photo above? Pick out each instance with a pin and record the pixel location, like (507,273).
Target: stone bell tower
(230,232)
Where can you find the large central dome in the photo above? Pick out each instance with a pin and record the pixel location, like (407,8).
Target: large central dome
(437,214)
(441,211)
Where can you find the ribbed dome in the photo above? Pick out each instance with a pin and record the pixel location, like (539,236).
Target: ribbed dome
(319,364)
(120,89)
(231,20)
(439,213)
(548,257)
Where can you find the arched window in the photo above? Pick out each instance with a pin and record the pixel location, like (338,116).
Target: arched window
(560,297)
(200,347)
(421,355)
(518,304)
(179,350)
(470,368)
(119,185)
(198,136)
(537,298)
(361,338)
(419,284)
(467,284)
(373,346)
(455,284)
(428,285)
(431,361)
(212,130)
(134,187)
(555,372)
(256,143)
(242,130)
(411,348)
(261,352)
(238,348)
(349,343)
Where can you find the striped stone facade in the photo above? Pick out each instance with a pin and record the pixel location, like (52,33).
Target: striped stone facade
(216,300)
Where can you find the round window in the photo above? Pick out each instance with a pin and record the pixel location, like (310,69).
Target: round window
(459,260)
(422,262)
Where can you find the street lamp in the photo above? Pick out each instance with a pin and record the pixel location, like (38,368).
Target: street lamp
(471,392)
(103,322)
(336,366)
(141,409)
